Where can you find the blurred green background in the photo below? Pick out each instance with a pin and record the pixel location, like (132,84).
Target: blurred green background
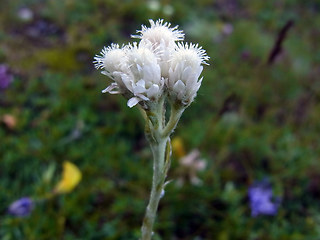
(251,120)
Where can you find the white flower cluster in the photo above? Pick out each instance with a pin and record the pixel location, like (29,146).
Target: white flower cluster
(159,64)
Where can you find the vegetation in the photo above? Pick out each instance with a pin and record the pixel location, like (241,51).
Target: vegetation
(252,119)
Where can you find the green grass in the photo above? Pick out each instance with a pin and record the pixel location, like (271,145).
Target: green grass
(250,120)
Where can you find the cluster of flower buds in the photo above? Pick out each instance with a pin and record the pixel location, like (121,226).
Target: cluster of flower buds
(160,64)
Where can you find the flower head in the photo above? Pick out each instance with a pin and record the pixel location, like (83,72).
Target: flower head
(21,207)
(139,71)
(135,71)
(161,39)
(185,69)
(145,81)
(160,33)
(113,60)
(260,196)
(191,54)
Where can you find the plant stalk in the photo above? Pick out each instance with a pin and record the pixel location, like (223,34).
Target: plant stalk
(158,135)
(159,175)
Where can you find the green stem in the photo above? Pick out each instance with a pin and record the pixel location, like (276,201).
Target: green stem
(174,119)
(159,175)
(158,135)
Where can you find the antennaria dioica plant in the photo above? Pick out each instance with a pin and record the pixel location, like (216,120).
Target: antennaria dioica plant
(157,72)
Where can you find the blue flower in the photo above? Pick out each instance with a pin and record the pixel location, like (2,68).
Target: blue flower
(261,200)
(21,207)
(5,77)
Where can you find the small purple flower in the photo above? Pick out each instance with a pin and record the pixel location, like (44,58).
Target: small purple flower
(5,77)
(261,201)
(21,207)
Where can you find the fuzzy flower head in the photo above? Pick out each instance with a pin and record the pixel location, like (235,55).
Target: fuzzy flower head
(144,82)
(185,69)
(113,60)
(160,33)
(160,38)
(156,66)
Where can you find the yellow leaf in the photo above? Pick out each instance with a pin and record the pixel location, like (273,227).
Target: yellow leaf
(71,177)
(178,147)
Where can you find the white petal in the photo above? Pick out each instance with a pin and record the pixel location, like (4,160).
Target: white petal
(151,73)
(141,83)
(143,97)
(138,90)
(112,87)
(133,101)
(147,73)
(139,68)
(139,87)
(199,71)
(127,81)
(153,91)
(186,72)
(170,81)
(179,88)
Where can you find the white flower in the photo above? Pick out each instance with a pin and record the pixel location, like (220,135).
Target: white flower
(145,81)
(135,71)
(160,33)
(140,70)
(168,10)
(114,61)
(154,5)
(161,39)
(190,165)
(185,69)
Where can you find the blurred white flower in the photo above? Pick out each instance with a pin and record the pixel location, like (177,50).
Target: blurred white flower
(25,14)
(154,5)
(185,69)
(190,165)
(168,10)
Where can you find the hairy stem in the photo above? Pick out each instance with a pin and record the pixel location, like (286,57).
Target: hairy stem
(158,135)
(173,121)
(159,175)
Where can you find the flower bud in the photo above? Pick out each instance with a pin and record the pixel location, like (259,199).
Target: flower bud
(185,69)
(114,62)
(145,82)
(161,39)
